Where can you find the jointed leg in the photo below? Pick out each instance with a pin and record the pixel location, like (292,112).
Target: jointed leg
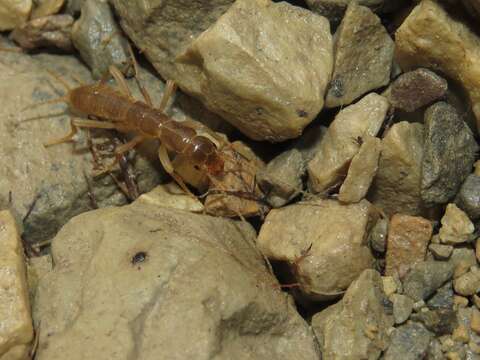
(169,90)
(121,82)
(119,151)
(144,92)
(79,123)
(167,165)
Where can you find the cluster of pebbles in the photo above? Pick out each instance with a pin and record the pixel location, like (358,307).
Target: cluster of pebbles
(360,121)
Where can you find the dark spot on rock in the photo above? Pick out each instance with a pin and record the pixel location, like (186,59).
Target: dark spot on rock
(336,87)
(259,110)
(139,257)
(302,113)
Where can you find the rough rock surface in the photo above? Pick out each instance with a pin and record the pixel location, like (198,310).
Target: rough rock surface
(414,89)
(440,321)
(99,40)
(409,342)
(378,236)
(16,331)
(457,54)
(396,187)
(469,283)
(281,179)
(46,8)
(323,242)
(456,226)
(49,31)
(14,13)
(408,237)
(442,298)
(402,308)
(340,144)
(138,267)
(468,197)
(285,53)
(357,327)
(335,9)
(440,252)
(449,153)
(363,56)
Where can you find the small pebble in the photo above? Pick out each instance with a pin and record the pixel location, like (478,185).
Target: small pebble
(389,285)
(378,236)
(468,197)
(425,278)
(460,334)
(460,301)
(476,301)
(477,249)
(402,308)
(456,226)
(418,306)
(441,252)
(468,284)
(474,347)
(475,320)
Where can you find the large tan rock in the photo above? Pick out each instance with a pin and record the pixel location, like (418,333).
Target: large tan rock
(16,331)
(396,187)
(323,242)
(14,13)
(341,142)
(430,37)
(148,282)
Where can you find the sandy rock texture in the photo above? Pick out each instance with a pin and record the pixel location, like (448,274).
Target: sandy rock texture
(14,13)
(323,242)
(167,284)
(457,55)
(16,331)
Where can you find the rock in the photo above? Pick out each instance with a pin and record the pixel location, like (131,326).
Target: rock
(440,321)
(442,298)
(396,187)
(285,73)
(378,236)
(460,302)
(449,153)
(310,141)
(99,40)
(389,285)
(281,179)
(322,241)
(468,284)
(172,196)
(425,278)
(141,265)
(435,351)
(441,252)
(340,143)
(335,9)
(357,327)
(73,7)
(468,197)
(415,89)
(456,226)
(361,171)
(408,237)
(462,259)
(409,342)
(363,56)
(456,55)
(475,321)
(46,8)
(402,308)
(14,13)
(460,334)
(16,331)
(49,31)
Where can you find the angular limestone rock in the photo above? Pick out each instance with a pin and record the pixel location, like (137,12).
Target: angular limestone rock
(323,242)
(285,56)
(14,13)
(408,238)
(430,37)
(99,39)
(456,226)
(138,267)
(363,56)
(396,187)
(414,89)
(356,327)
(341,142)
(449,153)
(16,331)
(361,171)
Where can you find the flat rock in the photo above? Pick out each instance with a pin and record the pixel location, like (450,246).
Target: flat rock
(340,144)
(409,342)
(281,179)
(14,13)
(468,197)
(139,266)
(99,40)
(46,8)
(286,67)
(322,241)
(425,278)
(415,89)
(449,153)
(408,238)
(396,187)
(430,37)
(16,331)
(402,308)
(456,226)
(363,56)
(357,327)
(361,171)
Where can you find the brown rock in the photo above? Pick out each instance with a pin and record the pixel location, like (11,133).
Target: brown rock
(430,37)
(14,13)
(363,56)
(408,237)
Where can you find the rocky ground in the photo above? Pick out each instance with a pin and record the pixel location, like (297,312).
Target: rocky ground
(344,224)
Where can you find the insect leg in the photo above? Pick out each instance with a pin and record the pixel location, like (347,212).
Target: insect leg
(167,165)
(169,90)
(117,75)
(78,123)
(144,91)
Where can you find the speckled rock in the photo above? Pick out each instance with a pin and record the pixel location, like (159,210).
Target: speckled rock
(430,37)
(322,241)
(396,187)
(468,197)
(16,331)
(340,144)
(402,307)
(14,13)
(363,56)
(409,342)
(414,89)
(139,266)
(449,153)
(456,226)
(356,327)
(425,278)
(99,40)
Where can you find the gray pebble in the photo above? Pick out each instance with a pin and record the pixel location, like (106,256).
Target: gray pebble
(402,308)
(425,278)
(468,197)
(409,342)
